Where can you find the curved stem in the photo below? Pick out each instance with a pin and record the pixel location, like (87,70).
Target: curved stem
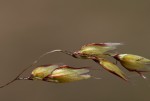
(36,61)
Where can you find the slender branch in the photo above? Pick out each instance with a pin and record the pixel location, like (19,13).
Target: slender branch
(36,61)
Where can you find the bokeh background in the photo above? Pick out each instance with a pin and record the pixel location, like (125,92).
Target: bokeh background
(29,28)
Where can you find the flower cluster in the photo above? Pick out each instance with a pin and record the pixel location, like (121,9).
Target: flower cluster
(99,53)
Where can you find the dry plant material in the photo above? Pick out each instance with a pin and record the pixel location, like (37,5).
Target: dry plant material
(97,52)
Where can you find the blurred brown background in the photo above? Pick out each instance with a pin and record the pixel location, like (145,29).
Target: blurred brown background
(29,28)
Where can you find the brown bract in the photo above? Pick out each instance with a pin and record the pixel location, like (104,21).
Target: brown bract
(111,67)
(96,49)
(134,63)
(60,74)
